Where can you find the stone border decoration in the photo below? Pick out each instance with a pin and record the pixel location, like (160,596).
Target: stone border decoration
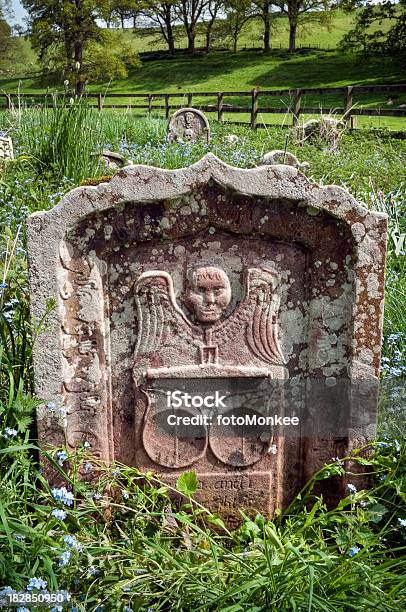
(72,354)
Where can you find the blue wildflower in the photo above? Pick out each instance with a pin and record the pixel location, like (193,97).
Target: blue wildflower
(36,583)
(70,541)
(58,514)
(63,495)
(354,550)
(23,609)
(402,522)
(64,558)
(3,285)
(62,456)
(352,488)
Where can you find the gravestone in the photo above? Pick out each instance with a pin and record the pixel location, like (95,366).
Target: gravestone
(279,156)
(188,125)
(6,148)
(214,319)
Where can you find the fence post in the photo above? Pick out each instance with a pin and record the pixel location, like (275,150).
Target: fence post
(220,113)
(296,107)
(149,104)
(348,104)
(189,99)
(254,109)
(167,106)
(100,102)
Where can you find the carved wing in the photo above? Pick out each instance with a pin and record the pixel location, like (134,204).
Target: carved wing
(258,313)
(158,313)
(262,332)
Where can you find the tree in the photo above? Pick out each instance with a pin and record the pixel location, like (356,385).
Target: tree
(301,11)
(65,33)
(190,12)
(238,12)
(368,35)
(6,42)
(264,12)
(162,14)
(210,16)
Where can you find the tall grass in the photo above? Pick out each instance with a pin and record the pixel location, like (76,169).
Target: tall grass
(61,139)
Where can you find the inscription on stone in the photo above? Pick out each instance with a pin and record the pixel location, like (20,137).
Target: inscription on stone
(193,303)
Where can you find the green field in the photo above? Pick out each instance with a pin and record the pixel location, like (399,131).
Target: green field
(242,71)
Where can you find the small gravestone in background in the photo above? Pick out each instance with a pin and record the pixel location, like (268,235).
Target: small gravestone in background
(6,148)
(188,125)
(113,160)
(279,156)
(246,294)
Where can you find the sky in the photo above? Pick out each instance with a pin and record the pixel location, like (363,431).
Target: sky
(18,12)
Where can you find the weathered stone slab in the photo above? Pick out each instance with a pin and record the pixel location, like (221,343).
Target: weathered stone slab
(188,125)
(257,284)
(6,148)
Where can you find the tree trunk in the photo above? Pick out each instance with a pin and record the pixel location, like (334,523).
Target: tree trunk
(122,21)
(208,36)
(191,41)
(292,37)
(267,26)
(170,39)
(235,41)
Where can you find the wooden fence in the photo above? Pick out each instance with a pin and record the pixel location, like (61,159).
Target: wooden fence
(163,102)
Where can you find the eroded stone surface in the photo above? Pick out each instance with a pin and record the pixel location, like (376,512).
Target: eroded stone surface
(6,148)
(188,125)
(196,276)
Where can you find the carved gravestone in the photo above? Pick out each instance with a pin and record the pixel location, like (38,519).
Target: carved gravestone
(6,148)
(254,292)
(188,125)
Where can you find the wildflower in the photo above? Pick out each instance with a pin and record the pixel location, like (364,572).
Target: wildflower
(93,571)
(19,537)
(9,432)
(96,496)
(116,472)
(245,553)
(3,285)
(354,550)
(397,446)
(36,583)
(5,590)
(126,494)
(402,522)
(71,541)
(64,558)
(62,456)
(127,609)
(56,609)
(352,488)
(86,444)
(88,467)
(383,444)
(58,514)
(23,609)
(66,497)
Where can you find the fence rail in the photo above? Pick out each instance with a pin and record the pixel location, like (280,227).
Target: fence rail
(295,108)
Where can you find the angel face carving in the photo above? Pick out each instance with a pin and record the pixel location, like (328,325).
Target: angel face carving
(209,294)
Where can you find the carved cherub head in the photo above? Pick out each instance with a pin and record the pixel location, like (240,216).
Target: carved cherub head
(208,294)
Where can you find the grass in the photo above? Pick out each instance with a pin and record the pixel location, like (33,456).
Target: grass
(123,544)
